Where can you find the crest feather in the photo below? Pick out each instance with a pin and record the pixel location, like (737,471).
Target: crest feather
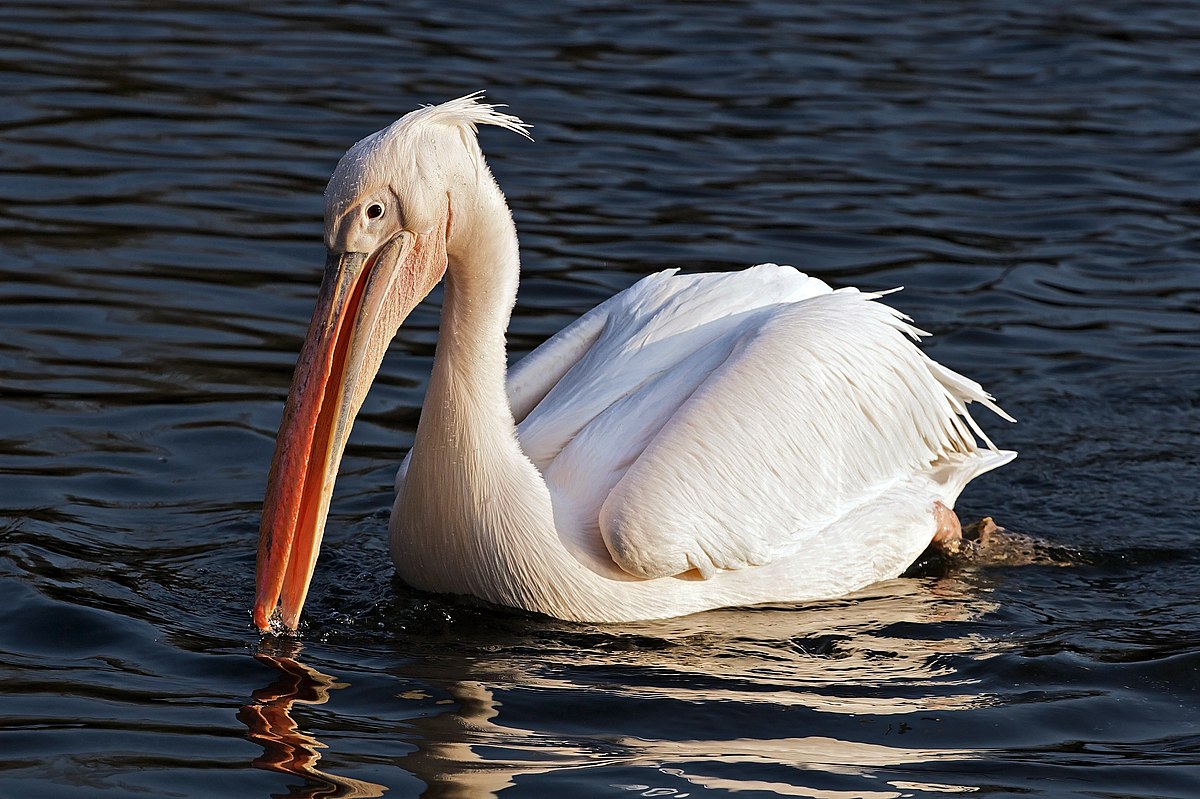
(401,148)
(469,112)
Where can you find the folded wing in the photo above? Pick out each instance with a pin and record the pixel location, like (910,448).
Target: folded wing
(714,422)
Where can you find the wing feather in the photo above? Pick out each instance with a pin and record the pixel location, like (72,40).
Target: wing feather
(648,331)
(532,377)
(724,485)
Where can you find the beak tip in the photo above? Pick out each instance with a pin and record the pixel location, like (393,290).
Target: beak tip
(275,620)
(262,616)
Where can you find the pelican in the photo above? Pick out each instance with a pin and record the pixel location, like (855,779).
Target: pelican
(696,441)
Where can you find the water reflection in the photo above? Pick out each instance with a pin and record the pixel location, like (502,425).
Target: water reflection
(286,748)
(821,669)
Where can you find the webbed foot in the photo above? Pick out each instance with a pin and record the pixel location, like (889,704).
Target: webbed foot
(948,536)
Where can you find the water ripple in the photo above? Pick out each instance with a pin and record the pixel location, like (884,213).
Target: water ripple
(1028,172)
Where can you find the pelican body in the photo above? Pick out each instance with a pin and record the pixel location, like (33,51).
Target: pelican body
(696,441)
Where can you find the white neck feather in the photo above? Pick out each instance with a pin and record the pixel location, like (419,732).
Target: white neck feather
(467,386)
(473,507)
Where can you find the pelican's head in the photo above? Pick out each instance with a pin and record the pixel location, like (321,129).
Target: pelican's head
(389,224)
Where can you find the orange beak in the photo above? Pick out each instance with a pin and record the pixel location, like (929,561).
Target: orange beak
(363,300)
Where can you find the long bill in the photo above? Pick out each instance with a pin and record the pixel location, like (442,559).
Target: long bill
(362,301)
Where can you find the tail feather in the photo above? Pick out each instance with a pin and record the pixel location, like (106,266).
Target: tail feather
(955,470)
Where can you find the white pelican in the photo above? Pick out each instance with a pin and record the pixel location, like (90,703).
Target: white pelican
(697,441)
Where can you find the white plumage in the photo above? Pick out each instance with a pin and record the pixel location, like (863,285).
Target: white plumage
(696,441)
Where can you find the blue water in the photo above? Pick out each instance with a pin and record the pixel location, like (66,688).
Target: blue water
(1030,172)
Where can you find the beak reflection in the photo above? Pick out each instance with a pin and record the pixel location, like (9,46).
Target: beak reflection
(287,748)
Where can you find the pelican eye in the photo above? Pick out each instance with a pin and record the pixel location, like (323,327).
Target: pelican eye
(374,210)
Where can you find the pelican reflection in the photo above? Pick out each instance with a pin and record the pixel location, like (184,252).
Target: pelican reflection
(471,721)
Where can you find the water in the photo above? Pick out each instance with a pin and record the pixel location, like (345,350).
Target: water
(1029,171)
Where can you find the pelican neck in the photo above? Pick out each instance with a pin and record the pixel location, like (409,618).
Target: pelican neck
(467,385)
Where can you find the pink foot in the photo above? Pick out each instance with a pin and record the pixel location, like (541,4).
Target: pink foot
(948,536)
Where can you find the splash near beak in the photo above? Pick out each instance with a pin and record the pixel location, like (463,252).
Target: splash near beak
(363,300)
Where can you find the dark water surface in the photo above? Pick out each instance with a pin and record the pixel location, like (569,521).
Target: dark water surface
(1030,171)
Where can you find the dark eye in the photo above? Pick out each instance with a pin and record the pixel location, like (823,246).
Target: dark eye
(374,211)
